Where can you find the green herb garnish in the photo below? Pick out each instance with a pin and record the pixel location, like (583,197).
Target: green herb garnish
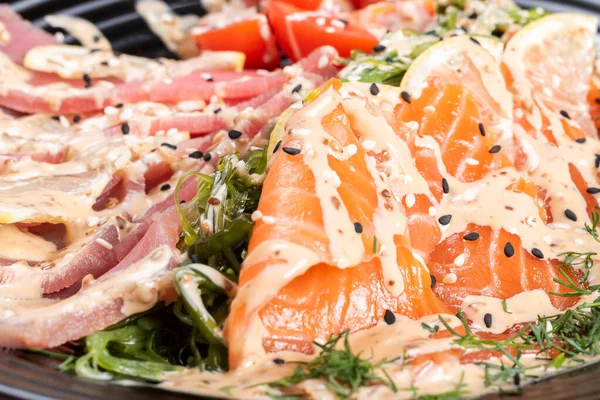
(343,371)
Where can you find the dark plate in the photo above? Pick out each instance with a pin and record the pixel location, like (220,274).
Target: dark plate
(23,379)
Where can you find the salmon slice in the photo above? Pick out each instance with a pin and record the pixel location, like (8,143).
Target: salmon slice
(324,298)
(489,269)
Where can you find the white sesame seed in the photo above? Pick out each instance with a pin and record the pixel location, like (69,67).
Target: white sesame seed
(338,24)
(268,219)
(450,278)
(432,211)
(369,144)
(64,121)
(172,131)
(460,260)
(351,149)
(320,21)
(256,215)
(110,110)
(471,161)
(548,239)
(409,200)
(104,243)
(579,241)
(323,61)
(126,114)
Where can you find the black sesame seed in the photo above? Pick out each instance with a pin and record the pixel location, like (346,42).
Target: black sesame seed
(481,129)
(125,128)
(462,28)
(120,105)
(88,80)
(445,186)
(475,41)
(405,96)
(207,157)
(580,140)
(358,227)
(182,202)
(593,190)
(210,79)
(597,100)
(445,219)
(234,134)
(297,89)
(487,319)
(96,38)
(374,89)
(473,16)
(517,379)
(164,187)
(196,154)
(279,361)
(389,317)
(565,114)
(431,32)
(92,51)
(277,146)
(169,145)
(433,280)
(495,149)
(509,250)
(471,236)
(56,117)
(104,63)
(195,258)
(217,110)
(571,215)
(389,59)
(343,21)
(378,47)
(76,118)
(537,252)
(597,161)
(291,151)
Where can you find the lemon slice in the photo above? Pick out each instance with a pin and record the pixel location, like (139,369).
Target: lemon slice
(552,60)
(473,65)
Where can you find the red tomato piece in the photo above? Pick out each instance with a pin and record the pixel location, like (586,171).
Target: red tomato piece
(253,37)
(300,32)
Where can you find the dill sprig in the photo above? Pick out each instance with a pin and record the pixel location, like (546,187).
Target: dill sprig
(343,371)
(592,229)
(458,393)
(577,291)
(573,258)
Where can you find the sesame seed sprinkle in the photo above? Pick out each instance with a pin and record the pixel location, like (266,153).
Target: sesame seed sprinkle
(125,128)
(580,140)
(433,280)
(389,317)
(405,96)
(358,227)
(279,361)
(487,320)
(291,150)
(593,190)
(164,187)
(537,252)
(471,236)
(277,147)
(120,105)
(217,110)
(76,118)
(571,215)
(169,145)
(378,48)
(565,114)
(87,80)
(196,154)
(297,88)
(445,219)
(509,250)
(234,134)
(597,161)
(207,157)
(495,149)
(445,186)
(481,129)
(475,41)
(597,100)
(374,89)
